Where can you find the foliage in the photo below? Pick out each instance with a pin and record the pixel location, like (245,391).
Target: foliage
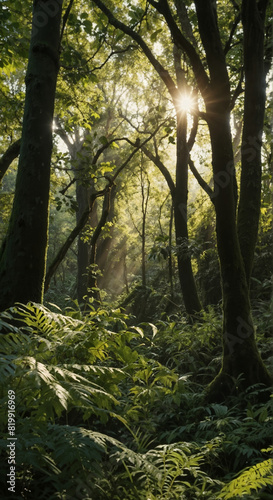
(256,477)
(91,398)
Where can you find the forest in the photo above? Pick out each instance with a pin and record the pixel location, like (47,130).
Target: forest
(136,161)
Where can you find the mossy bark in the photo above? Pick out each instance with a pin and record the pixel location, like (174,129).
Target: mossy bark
(23,254)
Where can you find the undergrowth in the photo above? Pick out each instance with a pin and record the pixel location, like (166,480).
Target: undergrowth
(110,411)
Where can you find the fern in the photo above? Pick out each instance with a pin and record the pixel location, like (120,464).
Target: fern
(255,478)
(67,458)
(81,380)
(167,471)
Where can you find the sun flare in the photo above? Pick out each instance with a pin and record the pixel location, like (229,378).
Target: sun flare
(186,103)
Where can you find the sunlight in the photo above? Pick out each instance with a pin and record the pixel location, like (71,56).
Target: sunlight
(186,103)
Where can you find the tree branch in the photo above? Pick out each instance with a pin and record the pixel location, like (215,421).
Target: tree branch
(193,133)
(233,29)
(71,238)
(181,41)
(184,21)
(162,72)
(12,152)
(165,172)
(211,40)
(200,180)
(65,18)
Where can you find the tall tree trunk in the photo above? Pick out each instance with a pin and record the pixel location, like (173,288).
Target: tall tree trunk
(240,353)
(170,257)
(23,254)
(186,277)
(83,193)
(105,244)
(144,208)
(254,106)
(92,286)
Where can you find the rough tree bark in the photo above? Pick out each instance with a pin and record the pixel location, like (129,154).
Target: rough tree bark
(23,253)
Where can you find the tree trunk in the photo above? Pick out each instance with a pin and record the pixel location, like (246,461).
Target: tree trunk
(144,208)
(104,245)
(92,286)
(254,105)
(186,278)
(71,238)
(170,257)
(240,353)
(83,256)
(23,254)
(185,272)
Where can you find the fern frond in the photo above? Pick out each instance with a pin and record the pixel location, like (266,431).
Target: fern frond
(252,478)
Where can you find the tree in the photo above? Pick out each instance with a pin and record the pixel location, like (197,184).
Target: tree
(23,253)
(240,354)
(235,238)
(175,90)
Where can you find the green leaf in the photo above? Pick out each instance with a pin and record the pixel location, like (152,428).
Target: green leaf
(103,140)
(155,34)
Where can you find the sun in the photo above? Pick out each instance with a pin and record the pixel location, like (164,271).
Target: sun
(186,103)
